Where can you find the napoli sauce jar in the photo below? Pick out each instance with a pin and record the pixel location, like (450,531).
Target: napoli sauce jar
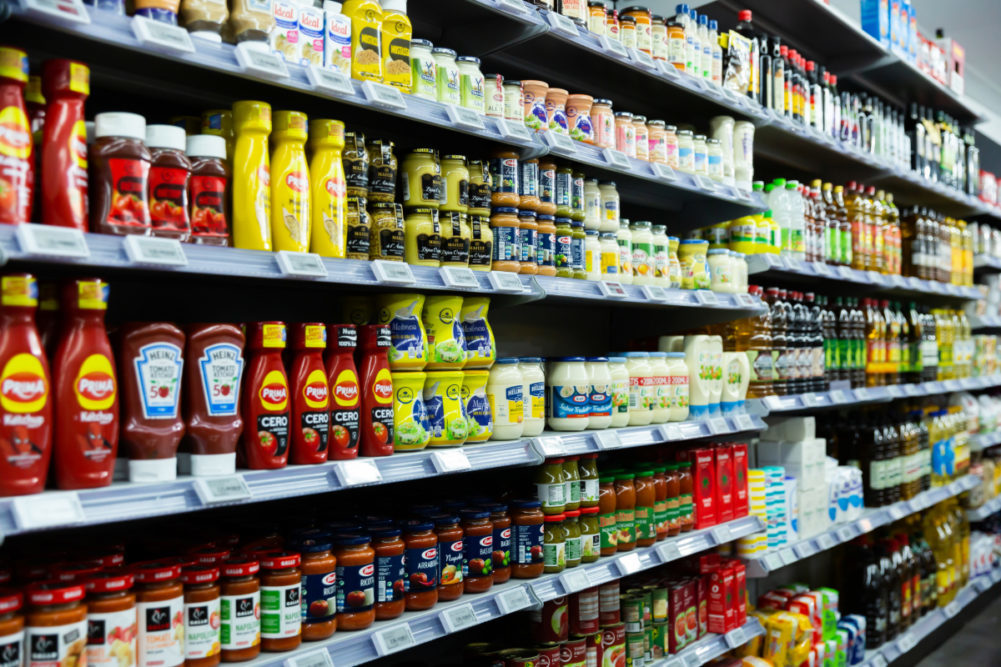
(281,605)
(201,615)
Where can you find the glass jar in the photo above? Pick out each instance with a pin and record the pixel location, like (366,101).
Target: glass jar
(480,186)
(533,381)
(447,76)
(547,187)
(627,31)
(450,555)
(563,250)
(673,262)
(739,272)
(676,46)
(422,565)
(455,180)
(646,528)
(592,255)
(597,15)
(481,242)
(527,559)
(421,178)
(528,243)
(477,555)
(577,196)
(592,204)
(625,511)
(686,151)
(642,138)
(501,554)
(534,98)
(422,236)
(577,239)
(671,147)
(387,235)
(112,604)
(554,545)
(354,159)
(355,582)
(607,515)
(625,133)
(319,587)
(160,583)
(454,239)
(240,597)
(281,607)
(672,480)
(529,185)
(564,192)
(546,244)
(660,514)
(574,548)
(609,256)
(382,168)
(643,256)
(603,123)
(685,489)
(610,208)
(551,486)
(661,252)
(643,19)
(425,69)
(657,133)
(612,24)
(472,89)
(720,271)
(619,390)
(390,573)
(714,159)
(658,37)
(625,240)
(692,255)
(57,608)
(506,228)
(590,534)
(514,101)
(700,151)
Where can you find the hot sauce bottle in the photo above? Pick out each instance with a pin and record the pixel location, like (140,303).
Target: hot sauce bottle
(151,361)
(86,390)
(66,85)
(119,174)
(17,176)
(345,396)
(25,408)
(265,401)
(376,391)
(310,416)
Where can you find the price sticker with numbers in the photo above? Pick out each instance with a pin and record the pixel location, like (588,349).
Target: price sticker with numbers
(300,264)
(67,11)
(513,130)
(318,658)
(515,599)
(52,241)
(617,158)
(225,489)
(160,36)
(393,639)
(256,61)
(458,277)
(613,46)
(330,81)
(383,96)
(358,471)
(458,618)
(392,273)
(154,251)
(46,510)
(612,290)
(562,24)
(707,297)
(450,460)
(463,117)
(504,281)
(629,564)
(745,300)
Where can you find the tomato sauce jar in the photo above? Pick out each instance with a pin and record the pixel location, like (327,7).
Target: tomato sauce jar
(239,609)
(477,554)
(355,582)
(421,565)
(111,619)
(11,628)
(160,595)
(56,624)
(319,587)
(210,555)
(451,548)
(281,603)
(390,574)
(81,571)
(501,556)
(527,559)
(201,615)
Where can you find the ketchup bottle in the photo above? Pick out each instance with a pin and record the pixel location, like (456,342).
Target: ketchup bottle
(265,403)
(25,408)
(86,390)
(342,378)
(17,178)
(66,84)
(212,372)
(376,391)
(151,362)
(310,417)
(47,318)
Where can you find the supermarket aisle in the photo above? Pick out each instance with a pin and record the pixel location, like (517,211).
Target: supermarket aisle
(976,642)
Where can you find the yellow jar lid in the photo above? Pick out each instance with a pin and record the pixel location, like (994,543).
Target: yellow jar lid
(291,124)
(251,115)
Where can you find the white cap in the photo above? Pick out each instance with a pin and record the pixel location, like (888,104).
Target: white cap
(332,6)
(152,470)
(120,124)
(208,36)
(206,145)
(165,136)
(395,5)
(207,465)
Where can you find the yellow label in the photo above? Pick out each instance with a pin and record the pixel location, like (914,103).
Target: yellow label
(23,385)
(95,383)
(396,34)
(80,78)
(19,291)
(609,263)
(538,407)
(92,295)
(516,411)
(366,39)
(15,133)
(382,387)
(314,392)
(316,335)
(273,335)
(13,64)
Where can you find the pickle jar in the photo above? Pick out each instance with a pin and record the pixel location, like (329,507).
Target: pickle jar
(590,534)
(571,528)
(554,544)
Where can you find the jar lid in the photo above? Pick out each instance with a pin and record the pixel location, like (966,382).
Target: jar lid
(564,221)
(644,472)
(623,114)
(616,360)
(545,217)
(572,514)
(691,241)
(166,136)
(315,544)
(423,151)
(154,571)
(525,503)
(594,509)
(531,360)
(625,475)
(553,518)
(638,118)
(76,571)
(417,525)
(443,51)
(468,59)
(625,18)
(444,519)
(54,592)
(120,124)
(700,137)
(10,601)
(109,581)
(512,82)
(568,359)
(657,353)
(605,479)
(454,156)
(505,210)
(525,213)
(210,555)
(421,42)
(637,355)
(206,145)
(558,459)
(351,540)
(712,141)
(200,574)
(675,355)
(280,560)
(474,514)
(684,464)
(240,567)
(590,232)
(641,223)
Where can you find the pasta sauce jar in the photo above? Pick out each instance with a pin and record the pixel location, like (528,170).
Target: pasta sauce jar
(319,587)
(451,541)
(111,620)
(240,601)
(390,593)
(501,556)
(281,605)
(527,558)
(57,624)
(12,628)
(477,563)
(422,565)
(355,582)
(160,595)
(201,615)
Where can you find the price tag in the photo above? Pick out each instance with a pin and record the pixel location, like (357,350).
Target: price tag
(318,658)
(154,251)
(879,661)
(744,423)
(670,433)
(707,297)
(607,439)
(458,617)
(612,290)
(906,642)
(72,11)
(982,584)
(822,269)
(357,472)
(705,183)
(734,638)
(300,264)
(45,510)
(664,172)
(847,273)
(629,564)
(513,600)
(861,394)
(384,96)
(654,292)
(617,158)
(52,241)
(952,385)
(513,130)
(825,541)
(897,512)
(668,551)
(459,277)
(845,534)
(745,300)
(803,550)
(256,61)
(744,195)
(788,556)
(329,81)
(668,70)
(395,273)
(575,580)
(560,142)
(613,46)
(772,562)
(995,576)
(864,525)
(644,58)
(393,639)
(692,659)
(227,489)
(515,6)
(504,281)
(464,118)
(550,446)
(894,391)
(157,35)
(813,400)
(719,425)
(562,24)
(721,533)
(450,460)
(775,261)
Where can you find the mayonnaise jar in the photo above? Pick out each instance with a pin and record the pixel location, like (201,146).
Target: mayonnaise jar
(677,380)
(698,358)
(716,374)
(641,392)
(661,389)
(600,399)
(505,392)
(619,390)
(568,388)
(534,392)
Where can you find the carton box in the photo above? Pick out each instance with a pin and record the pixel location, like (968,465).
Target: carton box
(704,483)
(740,494)
(724,482)
(691,610)
(677,616)
(722,606)
(876,20)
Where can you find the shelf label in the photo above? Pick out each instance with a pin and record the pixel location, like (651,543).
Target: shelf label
(227,489)
(721,533)
(161,36)
(513,130)
(358,471)
(845,534)
(668,70)
(513,600)
(458,617)
(575,580)
(864,525)
(719,425)
(611,290)
(45,510)
(861,394)
(318,658)
(804,550)
(897,513)
(613,46)
(707,297)
(155,251)
(744,423)
(654,292)
(607,439)
(825,541)
(329,81)
(394,273)
(664,172)
(788,556)
(906,642)
(71,11)
(822,269)
(982,584)
(253,60)
(629,564)
(772,562)
(393,639)
(705,183)
(847,273)
(951,609)
(894,391)
(643,58)
(692,659)
(668,551)
(952,385)
(550,446)
(384,96)
(450,460)
(505,281)
(878,660)
(745,300)
(516,6)
(463,117)
(562,24)
(813,399)
(616,158)
(560,142)
(300,264)
(734,638)
(458,277)
(670,432)
(52,241)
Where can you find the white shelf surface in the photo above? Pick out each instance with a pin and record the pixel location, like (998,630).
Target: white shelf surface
(991,507)
(988,262)
(985,321)
(712,646)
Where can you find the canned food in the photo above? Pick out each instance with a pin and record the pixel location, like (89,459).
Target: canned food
(608,604)
(613,646)
(573,652)
(635,648)
(632,612)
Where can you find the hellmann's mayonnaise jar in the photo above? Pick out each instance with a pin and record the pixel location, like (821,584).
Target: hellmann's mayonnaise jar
(600,400)
(568,389)
(534,392)
(505,393)
(620,391)
(641,391)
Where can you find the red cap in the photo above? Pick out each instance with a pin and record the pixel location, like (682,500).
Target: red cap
(572,513)
(871,191)
(240,567)
(554,517)
(834,79)
(10,601)
(54,592)
(154,571)
(209,555)
(810,65)
(755,290)
(110,581)
(280,560)
(744,15)
(200,574)
(75,571)
(590,510)
(784,51)
(558,459)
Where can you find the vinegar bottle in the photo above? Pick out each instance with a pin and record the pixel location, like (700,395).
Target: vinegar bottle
(290,216)
(251,176)
(310,395)
(66,84)
(345,395)
(376,423)
(328,208)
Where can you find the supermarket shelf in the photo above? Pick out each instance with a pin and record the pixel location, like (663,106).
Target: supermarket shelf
(985,321)
(568,288)
(891,651)
(871,519)
(413,628)
(779,267)
(712,646)
(986,263)
(992,506)
(982,441)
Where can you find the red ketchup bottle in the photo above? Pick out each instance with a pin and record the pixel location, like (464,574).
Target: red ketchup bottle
(345,396)
(17,168)
(66,84)
(151,360)
(25,408)
(265,400)
(213,368)
(376,426)
(169,174)
(310,416)
(86,390)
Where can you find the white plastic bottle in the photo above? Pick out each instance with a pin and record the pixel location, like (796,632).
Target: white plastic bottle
(534,392)
(715,374)
(698,358)
(620,391)
(505,391)
(678,379)
(659,375)
(601,393)
(693,27)
(717,53)
(641,396)
(795,212)
(568,388)
(707,49)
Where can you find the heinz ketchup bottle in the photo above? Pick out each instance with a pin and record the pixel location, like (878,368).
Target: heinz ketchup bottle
(25,408)
(86,390)
(376,391)
(345,396)
(310,416)
(265,404)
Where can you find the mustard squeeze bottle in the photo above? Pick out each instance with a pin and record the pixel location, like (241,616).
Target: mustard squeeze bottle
(251,176)
(366,38)
(290,219)
(396,34)
(328,188)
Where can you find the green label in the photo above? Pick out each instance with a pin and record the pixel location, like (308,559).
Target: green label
(281,611)
(609,530)
(645,527)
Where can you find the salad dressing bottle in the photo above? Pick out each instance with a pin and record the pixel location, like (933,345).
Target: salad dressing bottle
(251,176)
(328,188)
(290,185)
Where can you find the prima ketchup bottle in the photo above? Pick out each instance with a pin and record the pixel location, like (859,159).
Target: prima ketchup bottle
(66,84)
(25,407)
(376,424)
(17,178)
(345,395)
(86,390)
(310,394)
(265,400)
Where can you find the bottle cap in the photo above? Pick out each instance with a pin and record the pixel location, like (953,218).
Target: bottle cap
(206,145)
(165,136)
(120,124)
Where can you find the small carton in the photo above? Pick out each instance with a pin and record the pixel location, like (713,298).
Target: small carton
(704,483)
(741,502)
(336,39)
(724,482)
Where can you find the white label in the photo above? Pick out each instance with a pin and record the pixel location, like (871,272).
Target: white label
(721,534)
(513,600)
(745,300)
(906,642)
(734,638)
(241,623)
(45,510)
(220,369)
(382,95)
(894,391)
(845,534)
(788,556)
(318,658)
(705,182)
(161,632)
(707,297)
(611,290)
(861,394)
(159,35)
(838,396)
(654,292)
(201,630)
(879,660)
(300,264)
(458,277)
(613,46)
(804,550)
(158,376)
(228,489)
(358,471)
(50,645)
(822,269)
(254,61)
(897,513)
(668,551)
(667,70)
(153,250)
(114,634)
(744,423)
(982,584)
(719,425)
(560,142)
(52,241)
(516,6)
(396,273)
(607,439)
(951,609)
(450,460)
(393,639)
(644,58)
(512,129)
(629,564)
(664,172)
(550,446)
(463,117)
(562,24)
(617,158)
(772,562)
(505,281)
(575,580)
(72,11)
(670,432)
(329,81)
(825,541)
(458,618)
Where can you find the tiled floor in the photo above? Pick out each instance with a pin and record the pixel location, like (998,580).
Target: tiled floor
(976,643)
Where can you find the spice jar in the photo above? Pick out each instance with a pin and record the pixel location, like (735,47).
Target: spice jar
(571,526)
(504,177)
(12,626)
(506,229)
(119,175)
(169,179)
(590,534)
(422,236)
(354,159)
(546,242)
(55,608)
(563,250)
(547,187)
(686,506)
(603,122)
(554,546)
(625,508)
(201,615)
(390,574)
(481,242)
(454,239)
(386,232)
(625,133)
(421,178)
(528,229)
(160,595)
(608,515)
(239,605)
(421,565)
(319,587)
(450,556)
(355,582)
(477,555)
(455,177)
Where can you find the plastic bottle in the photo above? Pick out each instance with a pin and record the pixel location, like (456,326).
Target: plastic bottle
(366,38)
(795,212)
(66,84)
(310,395)
(16,151)
(265,399)
(396,34)
(328,208)
(345,394)
(290,200)
(251,176)
(376,384)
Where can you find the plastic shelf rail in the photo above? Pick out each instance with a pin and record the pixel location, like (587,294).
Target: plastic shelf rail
(982,441)
(985,321)
(871,519)
(413,628)
(986,263)
(992,506)
(712,646)
(569,288)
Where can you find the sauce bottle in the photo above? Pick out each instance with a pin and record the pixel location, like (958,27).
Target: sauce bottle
(290,185)
(376,427)
(396,34)
(119,174)
(111,607)
(66,84)
(342,380)
(25,406)
(310,415)
(212,373)
(251,176)
(86,389)
(169,177)
(265,399)
(366,33)
(18,178)
(209,190)
(151,361)
(327,188)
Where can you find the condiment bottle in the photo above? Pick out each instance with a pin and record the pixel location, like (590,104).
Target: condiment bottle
(202,635)
(571,529)
(111,606)
(396,36)
(251,176)
(151,361)
(290,202)
(55,607)
(625,511)
(160,595)
(209,190)
(451,540)
(169,177)
(646,528)
(673,479)
(587,468)
(551,486)
(477,554)
(319,587)
(212,377)
(366,36)
(26,406)
(355,582)
(660,503)
(608,515)
(527,539)
(119,174)
(390,574)
(421,565)
(310,400)
(590,534)
(265,400)
(12,625)
(240,604)
(686,488)
(501,555)
(281,607)
(328,188)
(85,383)
(571,480)
(345,395)
(376,422)
(66,84)
(18,161)
(554,545)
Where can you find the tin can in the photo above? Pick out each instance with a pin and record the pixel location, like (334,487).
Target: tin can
(658,640)
(635,648)
(584,612)
(550,621)
(613,646)
(658,597)
(549,654)
(573,652)
(608,604)
(678,637)
(520,657)
(632,612)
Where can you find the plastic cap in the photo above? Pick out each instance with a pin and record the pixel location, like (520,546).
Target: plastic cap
(206,145)
(703,20)
(332,6)
(120,124)
(744,15)
(153,470)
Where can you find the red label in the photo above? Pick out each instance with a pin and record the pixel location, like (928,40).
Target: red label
(297,181)
(168,198)
(316,391)
(208,207)
(274,395)
(383,388)
(129,180)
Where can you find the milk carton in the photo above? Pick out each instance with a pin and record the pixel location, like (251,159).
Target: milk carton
(311,24)
(336,38)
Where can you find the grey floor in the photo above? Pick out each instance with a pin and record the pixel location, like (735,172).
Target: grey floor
(975,644)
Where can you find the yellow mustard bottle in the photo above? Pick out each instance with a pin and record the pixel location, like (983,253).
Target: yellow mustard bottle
(251,176)
(289,183)
(328,188)
(396,34)
(366,38)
